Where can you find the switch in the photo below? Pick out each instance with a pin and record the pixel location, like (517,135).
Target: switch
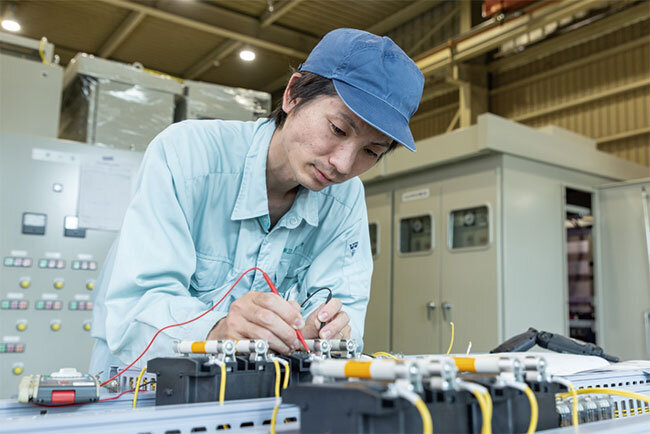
(55,325)
(90,285)
(58,283)
(17,369)
(86,325)
(21,325)
(25,282)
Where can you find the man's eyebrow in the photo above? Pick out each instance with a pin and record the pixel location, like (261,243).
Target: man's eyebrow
(353,124)
(350,121)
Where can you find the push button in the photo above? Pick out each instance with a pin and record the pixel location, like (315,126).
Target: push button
(55,325)
(58,283)
(90,285)
(21,326)
(25,282)
(17,369)
(86,326)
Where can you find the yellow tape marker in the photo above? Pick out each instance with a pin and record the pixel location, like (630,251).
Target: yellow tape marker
(198,347)
(357,369)
(465,364)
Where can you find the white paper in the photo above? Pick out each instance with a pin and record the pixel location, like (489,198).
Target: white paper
(104,192)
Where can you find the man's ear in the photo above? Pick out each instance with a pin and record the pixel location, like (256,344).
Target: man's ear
(288,102)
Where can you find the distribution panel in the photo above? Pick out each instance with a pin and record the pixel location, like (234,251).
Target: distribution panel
(48,271)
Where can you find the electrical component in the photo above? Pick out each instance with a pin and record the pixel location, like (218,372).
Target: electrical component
(67,386)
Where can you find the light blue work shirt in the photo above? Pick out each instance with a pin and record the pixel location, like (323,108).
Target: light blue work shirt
(198,219)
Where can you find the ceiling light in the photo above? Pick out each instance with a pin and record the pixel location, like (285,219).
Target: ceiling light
(9,22)
(10,25)
(247,55)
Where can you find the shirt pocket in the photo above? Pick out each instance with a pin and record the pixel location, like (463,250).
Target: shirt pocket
(211,273)
(291,270)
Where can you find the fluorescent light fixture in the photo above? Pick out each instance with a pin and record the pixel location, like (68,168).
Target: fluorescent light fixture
(247,55)
(10,25)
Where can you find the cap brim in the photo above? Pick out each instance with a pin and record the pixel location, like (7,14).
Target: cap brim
(377,113)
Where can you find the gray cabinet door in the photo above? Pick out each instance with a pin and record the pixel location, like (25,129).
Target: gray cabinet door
(377,326)
(625,270)
(416,271)
(470,295)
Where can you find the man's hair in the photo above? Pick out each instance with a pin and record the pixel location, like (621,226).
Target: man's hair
(307,88)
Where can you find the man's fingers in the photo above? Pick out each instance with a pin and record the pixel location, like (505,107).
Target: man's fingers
(254,331)
(289,312)
(268,320)
(328,311)
(331,330)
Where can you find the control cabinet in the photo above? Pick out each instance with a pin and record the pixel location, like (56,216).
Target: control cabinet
(49,263)
(478,235)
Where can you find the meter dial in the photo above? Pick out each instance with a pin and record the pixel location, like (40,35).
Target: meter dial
(469,218)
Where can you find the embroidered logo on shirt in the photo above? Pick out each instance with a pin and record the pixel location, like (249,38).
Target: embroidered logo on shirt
(294,250)
(353,247)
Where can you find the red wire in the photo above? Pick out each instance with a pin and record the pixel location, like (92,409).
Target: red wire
(268,281)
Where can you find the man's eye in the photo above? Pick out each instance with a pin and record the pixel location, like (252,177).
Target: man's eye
(371,153)
(337,130)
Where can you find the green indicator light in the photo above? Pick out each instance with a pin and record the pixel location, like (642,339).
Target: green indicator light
(5,304)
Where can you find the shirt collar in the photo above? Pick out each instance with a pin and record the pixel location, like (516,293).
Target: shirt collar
(252,200)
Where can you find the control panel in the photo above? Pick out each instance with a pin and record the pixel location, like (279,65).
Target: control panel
(49,263)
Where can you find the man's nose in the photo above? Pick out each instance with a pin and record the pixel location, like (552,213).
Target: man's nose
(342,159)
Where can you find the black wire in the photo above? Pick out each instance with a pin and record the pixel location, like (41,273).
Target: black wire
(329,296)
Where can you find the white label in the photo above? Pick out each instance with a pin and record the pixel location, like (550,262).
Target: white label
(415,195)
(15,295)
(54,156)
(85,256)
(11,339)
(83,383)
(49,296)
(82,297)
(53,255)
(18,253)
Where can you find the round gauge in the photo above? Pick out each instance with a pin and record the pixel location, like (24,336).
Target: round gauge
(417,225)
(469,218)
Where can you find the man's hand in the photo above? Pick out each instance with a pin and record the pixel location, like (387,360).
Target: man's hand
(336,322)
(262,315)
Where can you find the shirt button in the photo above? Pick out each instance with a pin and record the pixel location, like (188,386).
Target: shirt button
(293,221)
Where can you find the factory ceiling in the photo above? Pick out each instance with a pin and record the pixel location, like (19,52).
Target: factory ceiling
(201,40)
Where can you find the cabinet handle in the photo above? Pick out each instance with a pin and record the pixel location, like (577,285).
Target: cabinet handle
(431,306)
(446,310)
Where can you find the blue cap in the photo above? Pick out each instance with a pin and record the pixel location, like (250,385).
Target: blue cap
(374,78)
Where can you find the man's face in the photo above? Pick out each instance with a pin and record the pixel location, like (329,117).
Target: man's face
(326,143)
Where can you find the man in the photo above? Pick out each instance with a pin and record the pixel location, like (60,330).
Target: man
(215,198)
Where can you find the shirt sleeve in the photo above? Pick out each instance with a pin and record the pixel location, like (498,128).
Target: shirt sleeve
(154,259)
(345,266)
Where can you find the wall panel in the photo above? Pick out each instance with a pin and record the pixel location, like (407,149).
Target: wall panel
(600,88)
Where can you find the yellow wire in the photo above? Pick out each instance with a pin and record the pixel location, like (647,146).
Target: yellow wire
(41,52)
(488,402)
(574,405)
(604,391)
(222,386)
(384,354)
(451,344)
(274,417)
(425,414)
(137,386)
(534,409)
(486,427)
(286,376)
(469,347)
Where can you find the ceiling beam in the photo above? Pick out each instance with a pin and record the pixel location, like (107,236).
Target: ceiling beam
(224,49)
(403,16)
(416,46)
(232,26)
(121,33)
(279,12)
